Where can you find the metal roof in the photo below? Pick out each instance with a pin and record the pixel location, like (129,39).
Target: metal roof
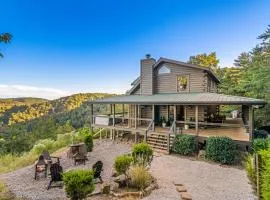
(181,98)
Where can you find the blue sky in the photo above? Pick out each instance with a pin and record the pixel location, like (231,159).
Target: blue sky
(64,47)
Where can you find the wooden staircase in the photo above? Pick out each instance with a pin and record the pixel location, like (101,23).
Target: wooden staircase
(159,142)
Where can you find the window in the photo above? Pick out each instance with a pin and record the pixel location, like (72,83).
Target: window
(164,70)
(182,83)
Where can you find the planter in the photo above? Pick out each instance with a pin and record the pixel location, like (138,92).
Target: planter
(186,127)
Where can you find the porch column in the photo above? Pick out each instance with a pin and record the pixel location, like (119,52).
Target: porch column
(153,117)
(92,116)
(123,109)
(135,116)
(196,120)
(250,122)
(113,110)
(129,120)
(174,117)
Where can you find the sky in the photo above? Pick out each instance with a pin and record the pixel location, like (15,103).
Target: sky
(65,47)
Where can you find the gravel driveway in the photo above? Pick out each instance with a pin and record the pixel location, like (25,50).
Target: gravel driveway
(203,181)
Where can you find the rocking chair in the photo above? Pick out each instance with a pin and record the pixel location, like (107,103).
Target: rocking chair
(56,174)
(97,168)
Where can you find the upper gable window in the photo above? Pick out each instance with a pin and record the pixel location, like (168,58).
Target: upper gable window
(164,70)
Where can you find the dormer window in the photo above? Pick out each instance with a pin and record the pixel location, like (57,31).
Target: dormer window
(164,70)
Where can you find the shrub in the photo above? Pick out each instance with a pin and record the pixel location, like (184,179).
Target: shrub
(250,168)
(184,144)
(142,154)
(122,164)
(260,144)
(88,140)
(78,183)
(260,134)
(41,145)
(221,149)
(265,173)
(140,177)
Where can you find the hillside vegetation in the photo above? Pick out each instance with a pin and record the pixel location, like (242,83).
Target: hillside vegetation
(26,123)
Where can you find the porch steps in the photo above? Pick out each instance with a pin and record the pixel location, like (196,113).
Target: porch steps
(159,142)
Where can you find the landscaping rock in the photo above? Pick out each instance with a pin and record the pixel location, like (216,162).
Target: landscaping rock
(177,183)
(106,188)
(121,180)
(201,154)
(185,196)
(181,188)
(114,186)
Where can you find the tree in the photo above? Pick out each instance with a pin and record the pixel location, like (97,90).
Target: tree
(206,60)
(5,38)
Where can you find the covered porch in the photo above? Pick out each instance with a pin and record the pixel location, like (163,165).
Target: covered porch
(171,114)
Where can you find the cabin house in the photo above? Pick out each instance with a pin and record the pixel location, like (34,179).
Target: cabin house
(171,97)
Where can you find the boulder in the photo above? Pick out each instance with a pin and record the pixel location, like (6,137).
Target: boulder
(181,188)
(121,180)
(185,196)
(106,188)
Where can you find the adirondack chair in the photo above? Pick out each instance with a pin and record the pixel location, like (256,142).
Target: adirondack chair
(80,155)
(41,166)
(56,174)
(49,159)
(97,168)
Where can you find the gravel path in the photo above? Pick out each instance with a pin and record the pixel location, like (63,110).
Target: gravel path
(203,181)
(22,183)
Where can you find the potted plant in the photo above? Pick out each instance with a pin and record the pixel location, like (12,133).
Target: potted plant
(186,125)
(163,121)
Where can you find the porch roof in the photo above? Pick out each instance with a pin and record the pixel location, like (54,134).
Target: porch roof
(181,98)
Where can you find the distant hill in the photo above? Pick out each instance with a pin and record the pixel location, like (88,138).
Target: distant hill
(15,110)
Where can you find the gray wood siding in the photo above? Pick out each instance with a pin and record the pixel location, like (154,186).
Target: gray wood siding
(190,113)
(147,76)
(137,91)
(167,83)
(146,112)
(211,85)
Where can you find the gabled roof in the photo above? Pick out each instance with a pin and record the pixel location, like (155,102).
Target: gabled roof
(200,98)
(207,69)
(166,60)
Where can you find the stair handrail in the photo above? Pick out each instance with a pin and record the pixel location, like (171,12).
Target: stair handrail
(99,132)
(148,129)
(173,127)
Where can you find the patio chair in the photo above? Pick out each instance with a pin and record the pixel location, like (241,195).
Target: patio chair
(49,159)
(56,175)
(41,167)
(97,168)
(80,156)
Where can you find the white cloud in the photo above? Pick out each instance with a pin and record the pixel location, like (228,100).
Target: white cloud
(12,91)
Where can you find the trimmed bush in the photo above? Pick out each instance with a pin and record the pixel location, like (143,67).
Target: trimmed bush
(41,145)
(250,168)
(221,149)
(122,164)
(78,183)
(184,144)
(265,173)
(88,140)
(260,144)
(260,134)
(142,154)
(140,177)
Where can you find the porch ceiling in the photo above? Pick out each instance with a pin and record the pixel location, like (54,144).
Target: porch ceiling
(181,98)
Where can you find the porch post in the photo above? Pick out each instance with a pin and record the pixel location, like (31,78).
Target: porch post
(113,132)
(153,117)
(250,122)
(123,109)
(135,116)
(129,116)
(92,116)
(196,120)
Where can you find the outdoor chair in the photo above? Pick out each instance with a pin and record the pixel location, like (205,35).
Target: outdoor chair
(56,175)
(80,156)
(97,168)
(41,167)
(49,159)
